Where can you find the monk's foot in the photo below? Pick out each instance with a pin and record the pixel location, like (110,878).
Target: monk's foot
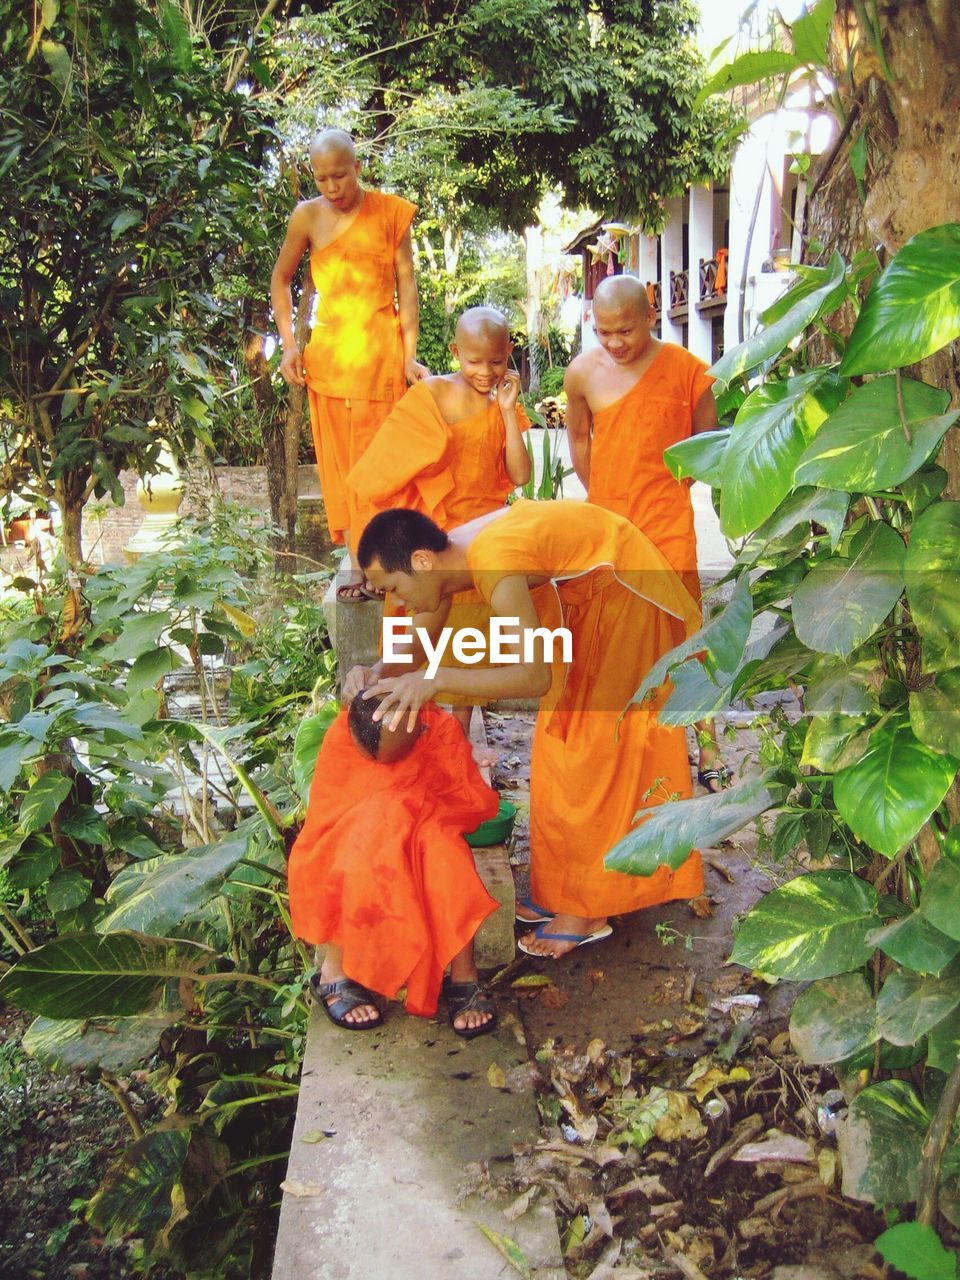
(563,934)
(712,773)
(345,1002)
(472,1009)
(354,589)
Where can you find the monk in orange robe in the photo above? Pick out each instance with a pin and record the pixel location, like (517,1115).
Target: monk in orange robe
(452,448)
(556,564)
(628,400)
(381,874)
(362,349)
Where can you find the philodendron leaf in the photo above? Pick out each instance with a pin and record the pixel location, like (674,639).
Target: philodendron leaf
(913,309)
(916,943)
(916,1250)
(933,583)
(833,1018)
(84,975)
(698,457)
(813,927)
(826,507)
(943,1043)
(723,638)
(863,445)
(672,830)
(116,1045)
(306,744)
(935,712)
(940,897)
(139,635)
(695,695)
(910,1004)
(43,800)
(153,897)
(890,792)
(772,429)
(844,599)
(772,340)
(880,1142)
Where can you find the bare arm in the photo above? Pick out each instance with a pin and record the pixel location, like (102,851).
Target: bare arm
(515,456)
(705,414)
(524,679)
(295,244)
(408,308)
(579,423)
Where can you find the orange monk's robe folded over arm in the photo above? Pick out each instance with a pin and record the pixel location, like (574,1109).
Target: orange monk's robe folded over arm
(381,867)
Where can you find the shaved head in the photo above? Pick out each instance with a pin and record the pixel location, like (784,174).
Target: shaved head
(374,738)
(333,140)
(483,323)
(621,293)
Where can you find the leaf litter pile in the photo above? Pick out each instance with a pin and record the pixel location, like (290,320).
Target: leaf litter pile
(660,1162)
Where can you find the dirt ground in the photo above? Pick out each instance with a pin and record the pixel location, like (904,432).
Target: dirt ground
(656,1007)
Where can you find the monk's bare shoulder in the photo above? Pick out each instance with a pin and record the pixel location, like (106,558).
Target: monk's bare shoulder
(313,220)
(444,393)
(583,372)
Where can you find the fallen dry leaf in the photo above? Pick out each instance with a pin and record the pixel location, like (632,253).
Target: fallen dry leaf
(701,907)
(649,1186)
(293,1187)
(777,1147)
(496,1077)
(553,998)
(595,1050)
(519,1207)
(681,1121)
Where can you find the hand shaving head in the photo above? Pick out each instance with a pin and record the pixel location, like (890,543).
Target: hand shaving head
(374,738)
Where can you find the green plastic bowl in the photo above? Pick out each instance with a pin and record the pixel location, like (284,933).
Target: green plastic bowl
(494,830)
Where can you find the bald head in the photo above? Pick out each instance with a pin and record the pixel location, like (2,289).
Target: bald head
(374,738)
(621,293)
(484,324)
(333,140)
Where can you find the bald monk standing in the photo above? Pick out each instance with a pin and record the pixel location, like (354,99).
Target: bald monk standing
(363,346)
(593,764)
(628,400)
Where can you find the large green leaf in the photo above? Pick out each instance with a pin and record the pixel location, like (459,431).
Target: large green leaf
(154,897)
(813,927)
(139,635)
(723,638)
(880,1142)
(887,796)
(843,688)
(935,712)
(698,457)
(826,507)
(913,309)
(43,800)
(772,340)
(844,599)
(830,740)
(672,830)
(811,31)
(695,695)
(932,571)
(310,735)
(84,975)
(151,667)
(833,1018)
(916,943)
(940,898)
(863,446)
(910,1004)
(15,750)
(772,429)
(748,69)
(116,1045)
(943,1043)
(67,890)
(915,1249)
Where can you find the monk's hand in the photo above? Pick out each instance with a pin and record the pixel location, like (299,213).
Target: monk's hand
(508,392)
(401,696)
(415,371)
(291,368)
(356,680)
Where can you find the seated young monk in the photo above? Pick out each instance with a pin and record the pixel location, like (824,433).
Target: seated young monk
(628,400)
(550,564)
(453,448)
(381,873)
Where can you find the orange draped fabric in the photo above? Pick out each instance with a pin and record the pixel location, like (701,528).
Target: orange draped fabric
(354,359)
(627,471)
(381,867)
(449,471)
(590,771)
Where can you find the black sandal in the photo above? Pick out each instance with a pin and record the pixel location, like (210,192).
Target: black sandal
(470,997)
(717,773)
(349,995)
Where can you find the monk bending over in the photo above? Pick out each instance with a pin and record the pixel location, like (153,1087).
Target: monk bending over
(552,564)
(382,875)
(363,345)
(453,449)
(627,401)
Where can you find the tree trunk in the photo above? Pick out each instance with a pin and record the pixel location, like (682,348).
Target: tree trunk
(69,490)
(533,238)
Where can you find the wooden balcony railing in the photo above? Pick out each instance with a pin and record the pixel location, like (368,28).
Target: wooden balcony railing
(713,282)
(679,291)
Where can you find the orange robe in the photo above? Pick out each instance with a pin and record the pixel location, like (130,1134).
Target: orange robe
(452,472)
(627,471)
(381,867)
(589,775)
(354,359)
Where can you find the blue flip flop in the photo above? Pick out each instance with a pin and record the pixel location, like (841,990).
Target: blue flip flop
(542,914)
(580,939)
